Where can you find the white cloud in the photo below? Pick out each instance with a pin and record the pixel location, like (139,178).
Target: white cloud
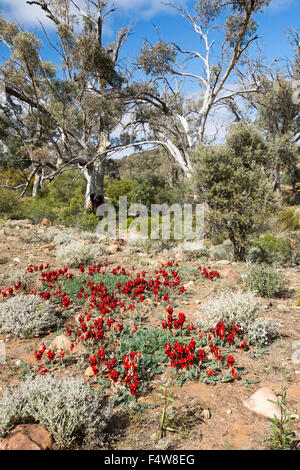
(277,6)
(146,9)
(30,15)
(26,15)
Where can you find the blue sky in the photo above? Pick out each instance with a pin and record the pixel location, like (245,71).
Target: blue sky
(145,15)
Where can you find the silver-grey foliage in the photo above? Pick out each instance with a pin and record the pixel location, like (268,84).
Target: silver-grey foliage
(27,315)
(66,408)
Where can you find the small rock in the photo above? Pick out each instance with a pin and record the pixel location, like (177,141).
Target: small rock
(260,404)
(296,357)
(27,437)
(228,412)
(230,275)
(89,372)
(181,256)
(49,246)
(17,260)
(206,414)
(61,342)
(46,222)
(222,262)
(112,249)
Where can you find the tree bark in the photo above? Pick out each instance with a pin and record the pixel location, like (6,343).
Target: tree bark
(36,184)
(94,195)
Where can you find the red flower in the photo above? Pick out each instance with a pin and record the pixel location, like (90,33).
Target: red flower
(230,361)
(51,355)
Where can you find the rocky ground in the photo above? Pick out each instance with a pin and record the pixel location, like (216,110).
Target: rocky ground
(208,417)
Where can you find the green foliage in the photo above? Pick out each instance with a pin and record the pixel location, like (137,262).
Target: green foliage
(236,190)
(61,201)
(298,298)
(289,219)
(283,438)
(8,201)
(119,188)
(265,280)
(157,59)
(167,400)
(271,248)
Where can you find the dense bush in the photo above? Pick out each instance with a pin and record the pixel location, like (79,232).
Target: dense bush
(264,280)
(8,201)
(234,186)
(26,316)
(67,408)
(61,201)
(271,249)
(289,219)
(119,188)
(220,252)
(241,309)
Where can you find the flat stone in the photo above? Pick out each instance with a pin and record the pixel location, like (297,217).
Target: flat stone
(222,262)
(295,358)
(259,403)
(89,372)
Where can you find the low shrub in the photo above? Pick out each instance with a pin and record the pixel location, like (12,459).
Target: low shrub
(27,316)
(265,280)
(193,250)
(76,253)
(221,252)
(240,308)
(67,408)
(289,219)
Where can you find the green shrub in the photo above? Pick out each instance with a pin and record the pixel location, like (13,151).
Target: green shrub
(298,298)
(264,280)
(289,219)
(8,201)
(236,189)
(119,188)
(87,221)
(273,249)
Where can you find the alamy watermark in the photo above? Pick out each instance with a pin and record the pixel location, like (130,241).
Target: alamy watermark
(176,222)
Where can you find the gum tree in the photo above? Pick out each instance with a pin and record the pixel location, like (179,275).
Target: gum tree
(226,30)
(69,115)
